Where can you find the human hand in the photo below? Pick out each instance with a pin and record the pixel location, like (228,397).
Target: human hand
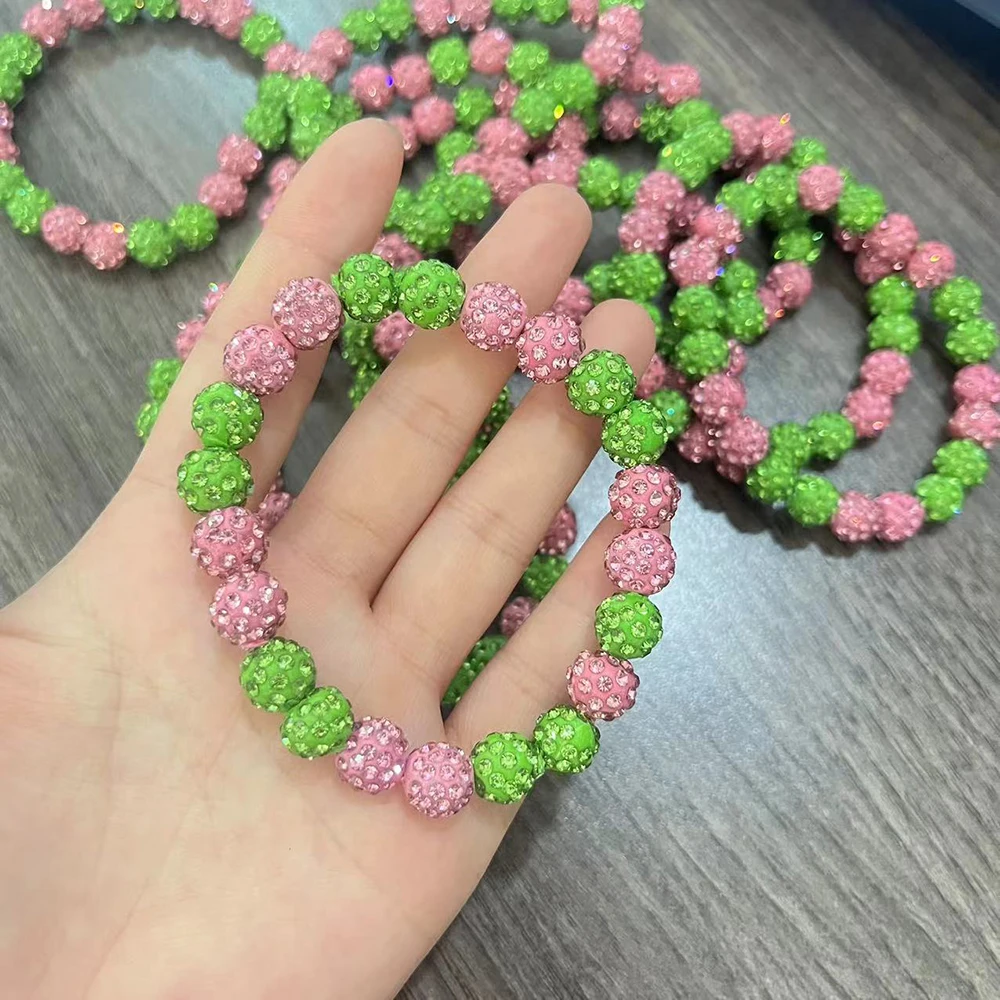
(158,840)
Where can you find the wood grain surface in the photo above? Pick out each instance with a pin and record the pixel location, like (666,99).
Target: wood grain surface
(804,806)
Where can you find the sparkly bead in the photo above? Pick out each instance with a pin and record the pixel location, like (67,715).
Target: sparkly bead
(319,724)
(637,276)
(771,304)
(716,222)
(619,121)
(249,608)
(64,229)
(527,62)
(737,359)
(892,240)
(734,473)
(807,152)
(489,50)
(536,109)
(278,675)
(267,125)
(744,129)
(697,308)
(645,496)
(10,152)
(506,766)
(962,460)
(493,316)
(942,498)
(814,501)
(978,422)
(474,664)
(900,517)
(27,206)
(791,441)
(640,560)
(274,507)
(151,243)
(428,226)
(542,574)
(121,11)
(857,518)
(468,198)
(642,74)
(737,277)
(831,436)
(653,379)
(718,399)
(683,158)
(870,270)
(146,419)
(224,194)
(260,359)
(21,54)
(868,410)
(628,625)
(891,295)
(931,265)
(601,686)
(694,262)
(229,541)
(746,317)
(162,10)
(567,740)
(804,245)
(776,137)
(742,443)
(48,25)
(606,58)
(374,757)
(792,281)
(431,294)
(212,478)
(363,382)
(859,208)
(886,371)
(599,182)
(473,15)
(561,533)
(894,331)
(623,23)
(673,407)
(635,435)
(411,77)
(574,300)
(259,33)
(84,15)
(240,157)
(282,58)
(643,231)
(225,416)
(550,11)
(976,383)
(660,192)
(395,18)
(227,17)
(454,145)
(188,334)
(308,312)
(678,82)
(391,335)
(362,30)
(971,342)
(583,13)
(515,613)
(333,44)
(772,480)
(437,779)
(820,187)
(434,117)
(698,355)
(957,300)
(601,384)
(371,87)
(432,17)
(367,287)
(549,347)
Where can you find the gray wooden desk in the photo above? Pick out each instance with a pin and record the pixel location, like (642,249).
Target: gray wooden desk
(805,803)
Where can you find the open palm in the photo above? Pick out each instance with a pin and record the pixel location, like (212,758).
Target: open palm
(158,840)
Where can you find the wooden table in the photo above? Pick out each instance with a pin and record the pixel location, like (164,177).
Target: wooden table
(805,804)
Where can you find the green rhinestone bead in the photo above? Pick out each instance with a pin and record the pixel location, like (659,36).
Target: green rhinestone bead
(26,206)
(635,435)
(535,109)
(675,410)
(505,767)
(702,353)
(267,125)
(608,4)
(364,379)
(194,226)
(226,416)
(309,133)
(275,89)
(599,182)
(21,52)
(629,188)
(468,198)
(162,10)
(356,343)
(161,377)
(550,11)
(473,665)
(512,11)
(778,185)
(434,188)
(319,724)
(638,276)
(689,115)
(628,625)
(860,207)
(527,62)
(807,152)
(971,342)
(831,436)
(898,331)
(957,300)
(278,675)
(212,478)
(813,501)
(261,32)
(791,442)
(428,225)
(744,201)
(598,279)
(431,294)
(942,497)
(772,480)
(449,60)
(963,460)
(146,419)
(697,308)
(654,123)
(566,739)
(395,18)
(801,244)
(344,109)
(402,203)
(891,295)
(367,287)
(574,86)
(499,413)
(151,242)
(788,217)
(683,159)
(362,30)
(542,575)
(473,106)
(121,11)
(745,318)
(712,140)
(11,87)
(738,276)
(602,383)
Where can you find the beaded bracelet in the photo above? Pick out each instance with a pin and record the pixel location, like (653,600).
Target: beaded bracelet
(249,606)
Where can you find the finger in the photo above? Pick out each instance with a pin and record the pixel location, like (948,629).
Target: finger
(416,424)
(487,527)
(334,207)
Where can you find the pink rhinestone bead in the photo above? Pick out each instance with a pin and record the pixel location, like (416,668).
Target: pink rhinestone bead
(900,517)
(737,359)
(509,177)
(893,240)
(857,518)
(694,262)
(673,379)
(555,167)
(619,119)
(194,11)
(870,269)
(283,58)
(717,223)
(6,117)
(260,359)
(213,297)
(697,443)
(570,133)
(820,187)
(600,685)
(64,229)
(574,300)
(332,44)
(505,96)
(408,131)
(886,371)
(978,422)
(718,399)
(606,58)
(515,613)
(463,241)
(549,348)
(318,66)
(640,560)
(776,137)
(472,163)
(432,17)
(502,137)
(561,533)
(488,51)
(976,384)
(104,245)
(240,157)
(493,316)
(653,378)
(266,208)
(371,87)
(9,150)
(792,282)
(224,194)
(623,24)
(931,264)
(729,470)
(688,209)
(374,757)
(395,250)
(188,334)
(249,609)
(274,507)
(847,241)
(678,82)
(437,780)
(642,74)
(472,15)
(227,17)
(391,334)
(645,496)
(745,130)
(228,541)
(869,410)
(434,117)
(742,443)
(583,13)
(308,312)
(660,192)
(643,230)
(48,25)
(84,15)
(774,308)
(281,172)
